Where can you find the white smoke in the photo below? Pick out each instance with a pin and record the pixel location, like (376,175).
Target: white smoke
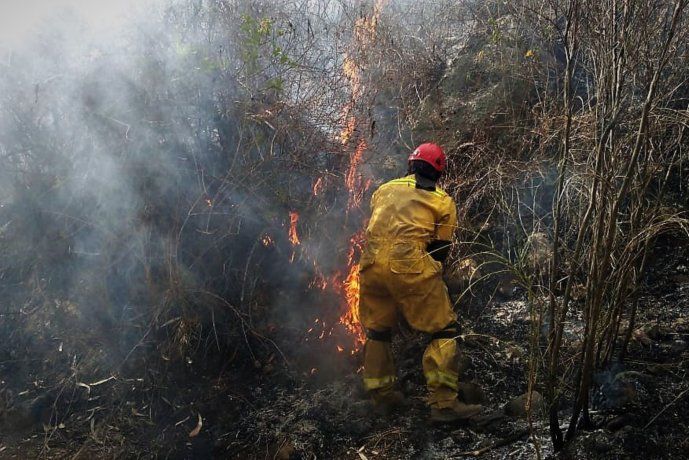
(21,19)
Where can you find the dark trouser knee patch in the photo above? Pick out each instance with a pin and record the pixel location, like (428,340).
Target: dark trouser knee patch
(450,332)
(380,336)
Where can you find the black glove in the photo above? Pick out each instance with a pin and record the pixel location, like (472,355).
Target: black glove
(439,249)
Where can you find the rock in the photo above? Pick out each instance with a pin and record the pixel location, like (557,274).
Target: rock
(507,286)
(462,275)
(28,415)
(619,422)
(471,393)
(447,443)
(492,422)
(517,407)
(657,332)
(678,346)
(464,364)
(640,336)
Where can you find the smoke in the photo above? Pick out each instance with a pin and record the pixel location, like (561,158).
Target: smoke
(81,25)
(111,156)
(148,148)
(142,159)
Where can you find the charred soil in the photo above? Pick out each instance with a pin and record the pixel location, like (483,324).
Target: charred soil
(267,407)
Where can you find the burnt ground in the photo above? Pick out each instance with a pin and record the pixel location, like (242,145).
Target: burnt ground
(267,410)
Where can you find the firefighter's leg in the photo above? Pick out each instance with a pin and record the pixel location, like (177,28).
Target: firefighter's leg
(378,314)
(440,367)
(379,366)
(442,377)
(427,308)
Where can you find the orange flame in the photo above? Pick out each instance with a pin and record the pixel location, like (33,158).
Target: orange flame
(266,240)
(319,282)
(351,289)
(364,35)
(350,126)
(351,292)
(355,185)
(346,282)
(293,237)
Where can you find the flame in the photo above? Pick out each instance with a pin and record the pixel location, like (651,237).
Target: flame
(319,282)
(365,30)
(351,71)
(351,292)
(266,240)
(293,237)
(353,180)
(350,127)
(345,283)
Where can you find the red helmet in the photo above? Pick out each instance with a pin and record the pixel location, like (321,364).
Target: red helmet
(431,154)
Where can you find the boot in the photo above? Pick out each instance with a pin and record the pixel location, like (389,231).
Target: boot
(387,402)
(456,412)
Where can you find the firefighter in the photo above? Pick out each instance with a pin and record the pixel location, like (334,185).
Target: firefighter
(407,238)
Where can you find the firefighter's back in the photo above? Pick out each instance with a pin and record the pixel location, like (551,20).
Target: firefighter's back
(402,212)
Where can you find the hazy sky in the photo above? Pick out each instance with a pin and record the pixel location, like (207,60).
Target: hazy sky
(21,18)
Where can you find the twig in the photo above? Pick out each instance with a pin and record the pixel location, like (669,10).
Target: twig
(140,343)
(501,443)
(679,396)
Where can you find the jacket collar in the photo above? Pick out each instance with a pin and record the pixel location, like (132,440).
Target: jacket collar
(423,183)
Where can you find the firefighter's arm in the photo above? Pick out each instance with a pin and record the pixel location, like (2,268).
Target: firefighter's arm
(439,248)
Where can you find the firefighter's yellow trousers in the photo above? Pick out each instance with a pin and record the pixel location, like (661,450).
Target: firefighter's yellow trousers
(400,276)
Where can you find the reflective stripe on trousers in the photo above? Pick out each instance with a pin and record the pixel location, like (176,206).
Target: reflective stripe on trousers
(376,383)
(442,378)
